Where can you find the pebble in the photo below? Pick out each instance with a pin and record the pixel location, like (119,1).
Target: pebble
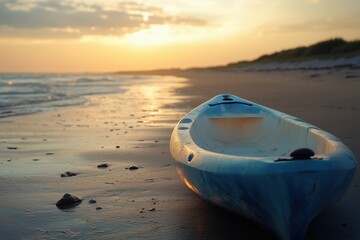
(152,209)
(92,201)
(98,208)
(68,201)
(132,167)
(12,148)
(68,174)
(350,76)
(117,146)
(103,165)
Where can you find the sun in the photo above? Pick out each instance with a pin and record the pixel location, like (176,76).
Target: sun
(161,35)
(155,35)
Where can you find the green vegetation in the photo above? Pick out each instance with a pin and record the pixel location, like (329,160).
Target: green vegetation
(329,49)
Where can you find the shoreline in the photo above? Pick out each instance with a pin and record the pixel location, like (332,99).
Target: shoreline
(147,113)
(319,64)
(341,63)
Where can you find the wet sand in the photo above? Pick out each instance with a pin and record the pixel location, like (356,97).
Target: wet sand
(140,122)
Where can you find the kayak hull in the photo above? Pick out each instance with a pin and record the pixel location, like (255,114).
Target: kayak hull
(277,192)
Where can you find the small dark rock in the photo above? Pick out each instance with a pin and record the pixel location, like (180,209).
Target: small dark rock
(68,174)
(132,167)
(152,209)
(50,153)
(314,75)
(92,201)
(117,146)
(12,148)
(68,201)
(350,76)
(103,165)
(36,159)
(98,208)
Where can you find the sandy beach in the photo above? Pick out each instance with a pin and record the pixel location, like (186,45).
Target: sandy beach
(134,128)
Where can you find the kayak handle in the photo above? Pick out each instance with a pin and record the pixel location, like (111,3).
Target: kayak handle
(222,103)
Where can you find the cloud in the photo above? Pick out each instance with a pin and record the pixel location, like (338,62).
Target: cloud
(328,24)
(71,19)
(315,1)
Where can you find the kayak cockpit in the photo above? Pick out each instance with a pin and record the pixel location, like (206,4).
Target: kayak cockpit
(256,134)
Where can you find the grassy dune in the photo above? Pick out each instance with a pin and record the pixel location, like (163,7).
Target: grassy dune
(329,49)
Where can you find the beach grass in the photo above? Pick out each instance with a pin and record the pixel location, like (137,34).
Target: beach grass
(330,49)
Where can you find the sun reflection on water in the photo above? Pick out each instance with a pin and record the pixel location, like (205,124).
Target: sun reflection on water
(147,99)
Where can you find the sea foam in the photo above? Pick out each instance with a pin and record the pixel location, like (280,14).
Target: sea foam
(32,93)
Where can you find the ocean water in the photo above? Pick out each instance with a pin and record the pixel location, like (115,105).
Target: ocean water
(31,93)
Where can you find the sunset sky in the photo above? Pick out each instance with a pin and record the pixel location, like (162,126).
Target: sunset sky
(111,35)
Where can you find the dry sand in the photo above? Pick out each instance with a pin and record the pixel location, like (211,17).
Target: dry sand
(140,122)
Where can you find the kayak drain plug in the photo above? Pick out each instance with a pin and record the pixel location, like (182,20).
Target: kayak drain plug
(299,154)
(302,153)
(227,99)
(190,157)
